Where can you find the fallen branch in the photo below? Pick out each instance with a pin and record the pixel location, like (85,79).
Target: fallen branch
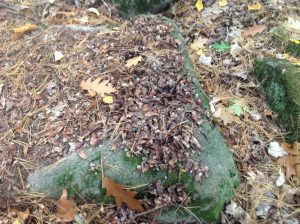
(82,28)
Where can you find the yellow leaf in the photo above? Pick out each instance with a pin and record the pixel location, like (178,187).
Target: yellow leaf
(99,86)
(108,99)
(133,61)
(255,6)
(199,52)
(17,221)
(222,3)
(295,41)
(183,170)
(24,29)
(199,5)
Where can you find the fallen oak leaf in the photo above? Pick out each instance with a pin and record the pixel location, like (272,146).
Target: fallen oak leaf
(226,115)
(121,195)
(97,87)
(24,29)
(289,162)
(291,149)
(294,150)
(65,208)
(198,43)
(252,31)
(133,61)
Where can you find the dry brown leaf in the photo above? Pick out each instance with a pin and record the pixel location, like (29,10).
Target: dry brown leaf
(198,43)
(24,29)
(65,208)
(116,190)
(289,162)
(291,149)
(226,115)
(25,151)
(99,86)
(24,215)
(294,150)
(82,155)
(252,31)
(133,61)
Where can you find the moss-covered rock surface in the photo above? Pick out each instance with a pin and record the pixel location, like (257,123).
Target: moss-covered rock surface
(82,177)
(281,83)
(129,8)
(293,48)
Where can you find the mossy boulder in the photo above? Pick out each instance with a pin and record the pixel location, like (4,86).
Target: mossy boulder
(82,177)
(130,8)
(281,83)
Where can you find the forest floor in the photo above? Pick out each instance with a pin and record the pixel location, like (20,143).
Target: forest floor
(248,126)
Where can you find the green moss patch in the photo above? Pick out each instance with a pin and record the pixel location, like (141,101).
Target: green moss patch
(281,83)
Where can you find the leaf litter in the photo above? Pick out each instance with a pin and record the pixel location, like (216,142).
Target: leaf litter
(151,105)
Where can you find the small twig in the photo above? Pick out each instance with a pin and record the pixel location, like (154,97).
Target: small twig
(146,212)
(21,178)
(109,10)
(7,6)
(191,213)
(82,28)
(93,216)
(102,172)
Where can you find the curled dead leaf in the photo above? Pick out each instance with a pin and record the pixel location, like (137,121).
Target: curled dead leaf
(252,31)
(65,208)
(24,29)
